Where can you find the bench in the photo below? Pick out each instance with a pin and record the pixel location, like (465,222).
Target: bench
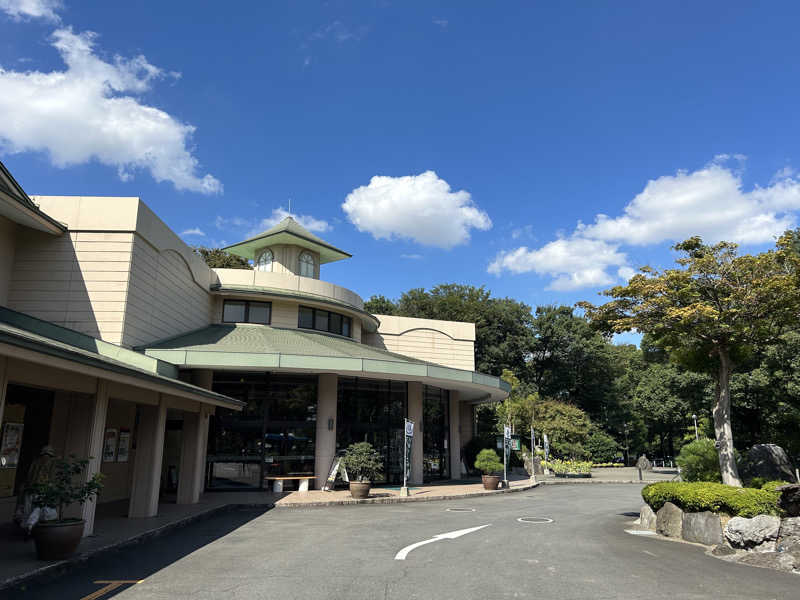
(277,481)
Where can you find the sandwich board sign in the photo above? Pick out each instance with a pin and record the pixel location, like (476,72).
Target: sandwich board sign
(336,468)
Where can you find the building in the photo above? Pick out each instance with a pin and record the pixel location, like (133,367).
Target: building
(117,342)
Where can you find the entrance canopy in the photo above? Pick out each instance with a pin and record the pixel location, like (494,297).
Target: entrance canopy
(262,347)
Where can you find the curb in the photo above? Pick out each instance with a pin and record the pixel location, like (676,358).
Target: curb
(400,500)
(63,566)
(600,481)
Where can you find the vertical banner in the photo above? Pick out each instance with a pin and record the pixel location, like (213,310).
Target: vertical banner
(409,440)
(506,450)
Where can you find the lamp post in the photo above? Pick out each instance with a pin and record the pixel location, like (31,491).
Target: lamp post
(696,435)
(627,451)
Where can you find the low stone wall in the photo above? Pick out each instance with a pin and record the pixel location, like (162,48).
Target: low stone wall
(763,541)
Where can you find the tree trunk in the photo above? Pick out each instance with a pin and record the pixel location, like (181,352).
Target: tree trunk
(722,422)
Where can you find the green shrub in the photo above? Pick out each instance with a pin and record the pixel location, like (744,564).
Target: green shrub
(602,448)
(756,482)
(714,497)
(699,461)
(570,466)
(772,486)
(363,462)
(488,462)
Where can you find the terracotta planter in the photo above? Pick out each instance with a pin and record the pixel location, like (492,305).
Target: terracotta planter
(360,489)
(490,482)
(56,541)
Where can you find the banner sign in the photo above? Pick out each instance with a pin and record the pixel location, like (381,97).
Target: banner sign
(546,446)
(409,442)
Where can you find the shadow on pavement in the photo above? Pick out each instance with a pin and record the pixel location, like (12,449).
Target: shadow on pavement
(135,562)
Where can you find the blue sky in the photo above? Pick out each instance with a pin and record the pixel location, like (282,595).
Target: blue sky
(437,142)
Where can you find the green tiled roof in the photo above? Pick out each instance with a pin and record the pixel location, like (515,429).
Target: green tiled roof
(288,231)
(24,331)
(261,346)
(14,190)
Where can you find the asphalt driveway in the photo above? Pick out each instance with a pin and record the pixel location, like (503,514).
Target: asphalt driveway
(350,553)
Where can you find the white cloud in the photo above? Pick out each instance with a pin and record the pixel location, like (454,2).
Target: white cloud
(418,207)
(307,221)
(193,231)
(82,114)
(31,9)
(411,256)
(710,202)
(573,263)
(443,23)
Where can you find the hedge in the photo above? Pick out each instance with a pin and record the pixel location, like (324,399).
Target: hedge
(714,497)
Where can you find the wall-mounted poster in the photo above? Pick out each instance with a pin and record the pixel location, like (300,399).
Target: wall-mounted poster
(11,445)
(110,445)
(124,445)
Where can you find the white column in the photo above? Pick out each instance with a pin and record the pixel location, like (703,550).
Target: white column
(415,414)
(94,448)
(467,424)
(455,435)
(147,462)
(194,439)
(325,443)
(3,386)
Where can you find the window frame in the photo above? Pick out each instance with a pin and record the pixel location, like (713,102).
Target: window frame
(258,264)
(311,261)
(344,320)
(247,304)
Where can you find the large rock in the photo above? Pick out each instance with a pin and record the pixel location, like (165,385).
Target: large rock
(703,528)
(768,461)
(789,536)
(644,463)
(780,561)
(669,521)
(759,533)
(647,518)
(790,499)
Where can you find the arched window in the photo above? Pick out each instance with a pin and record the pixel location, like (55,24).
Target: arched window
(264,261)
(306,265)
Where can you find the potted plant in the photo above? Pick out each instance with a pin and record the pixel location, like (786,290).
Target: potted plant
(487,463)
(58,538)
(363,464)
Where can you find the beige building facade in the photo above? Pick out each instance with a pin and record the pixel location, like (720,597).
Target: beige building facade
(118,343)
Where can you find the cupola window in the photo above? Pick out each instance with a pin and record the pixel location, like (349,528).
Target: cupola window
(306,265)
(264,261)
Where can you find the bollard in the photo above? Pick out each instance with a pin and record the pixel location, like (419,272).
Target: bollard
(640,474)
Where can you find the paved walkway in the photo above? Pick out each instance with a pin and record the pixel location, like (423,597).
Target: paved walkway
(381,495)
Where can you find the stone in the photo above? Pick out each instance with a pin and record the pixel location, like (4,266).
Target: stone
(789,500)
(669,521)
(780,561)
(702,528)
(644,463)
(789,536)
(647,518)
(769,461)
(723,550)
(760,532)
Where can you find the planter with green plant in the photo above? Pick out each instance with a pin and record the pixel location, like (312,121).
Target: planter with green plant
(364,464)
(58,538)
(489,463)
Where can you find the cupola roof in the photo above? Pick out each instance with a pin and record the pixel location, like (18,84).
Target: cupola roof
(290,232)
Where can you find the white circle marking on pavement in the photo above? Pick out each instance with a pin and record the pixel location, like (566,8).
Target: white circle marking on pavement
(535,520)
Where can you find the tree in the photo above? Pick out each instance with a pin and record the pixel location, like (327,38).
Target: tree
(571,362)
(666,396)
(710,313)
(380,305)
(219,259)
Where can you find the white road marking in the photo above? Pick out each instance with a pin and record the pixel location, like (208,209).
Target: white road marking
(640,532)
(451,535)
(650,553)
